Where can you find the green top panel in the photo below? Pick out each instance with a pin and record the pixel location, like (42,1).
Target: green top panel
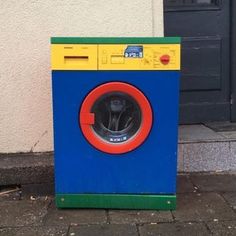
(104,40)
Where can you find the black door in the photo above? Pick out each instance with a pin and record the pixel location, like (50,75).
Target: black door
(204,26)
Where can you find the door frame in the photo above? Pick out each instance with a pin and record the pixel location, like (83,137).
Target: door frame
(233,60)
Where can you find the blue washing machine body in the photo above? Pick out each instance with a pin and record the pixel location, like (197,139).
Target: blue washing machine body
(148,169)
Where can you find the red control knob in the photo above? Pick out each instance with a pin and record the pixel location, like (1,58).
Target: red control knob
(165,59)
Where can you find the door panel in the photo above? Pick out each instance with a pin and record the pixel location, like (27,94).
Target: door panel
(204,28)
(203,51)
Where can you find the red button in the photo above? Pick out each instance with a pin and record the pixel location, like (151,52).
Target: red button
(165,59)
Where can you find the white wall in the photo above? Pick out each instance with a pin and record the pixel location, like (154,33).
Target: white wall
(25,30)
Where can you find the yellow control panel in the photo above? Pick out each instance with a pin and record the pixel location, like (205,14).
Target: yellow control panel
(139,57)
(116,57)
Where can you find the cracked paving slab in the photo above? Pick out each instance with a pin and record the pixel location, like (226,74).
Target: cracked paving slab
(74,216)
(174,229)
(212,183)
(23,212)
(137,217)
(202,207)
(223,228)
(230,198)
(35,231)
(104,230)
(184,184)
(10,193)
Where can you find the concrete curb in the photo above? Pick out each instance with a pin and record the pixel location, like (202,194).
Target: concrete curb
(26,168)
(36,170)
(207,156)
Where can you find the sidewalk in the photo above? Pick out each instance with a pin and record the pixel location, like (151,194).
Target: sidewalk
(206,205)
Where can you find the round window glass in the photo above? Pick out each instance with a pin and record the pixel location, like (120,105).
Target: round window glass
(117,117)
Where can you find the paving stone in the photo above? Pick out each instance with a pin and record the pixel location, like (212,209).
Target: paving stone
(74,216)
(222,126)
(180,157)
(232,146)
(10,193)
(209,156)
(231,199)
(229,134)
(195,133)
(41,189)
(8,232)
(135,216)
(22,212)
(184,184)
(174,229)
(218,182)
(103,230)
(35,231)
(202,207)
(223,228)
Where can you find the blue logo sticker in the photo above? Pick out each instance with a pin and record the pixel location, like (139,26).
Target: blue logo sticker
(134,51)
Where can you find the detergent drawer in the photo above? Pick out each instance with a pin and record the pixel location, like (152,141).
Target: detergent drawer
(74,57)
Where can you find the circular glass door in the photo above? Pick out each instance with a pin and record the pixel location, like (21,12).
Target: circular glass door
(115,117)
(118,117)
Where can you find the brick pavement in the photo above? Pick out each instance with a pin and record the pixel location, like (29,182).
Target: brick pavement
(206,205)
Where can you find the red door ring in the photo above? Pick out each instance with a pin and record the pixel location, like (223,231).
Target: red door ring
(87,119)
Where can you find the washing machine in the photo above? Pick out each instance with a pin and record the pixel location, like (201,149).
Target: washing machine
(115,114)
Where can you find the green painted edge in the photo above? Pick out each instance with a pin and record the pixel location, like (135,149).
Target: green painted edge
(116,201)
(119,40)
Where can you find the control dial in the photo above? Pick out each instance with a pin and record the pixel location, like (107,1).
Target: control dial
(165,59)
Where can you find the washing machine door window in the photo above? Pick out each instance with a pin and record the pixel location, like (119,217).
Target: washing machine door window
(118,117)
(115,117)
